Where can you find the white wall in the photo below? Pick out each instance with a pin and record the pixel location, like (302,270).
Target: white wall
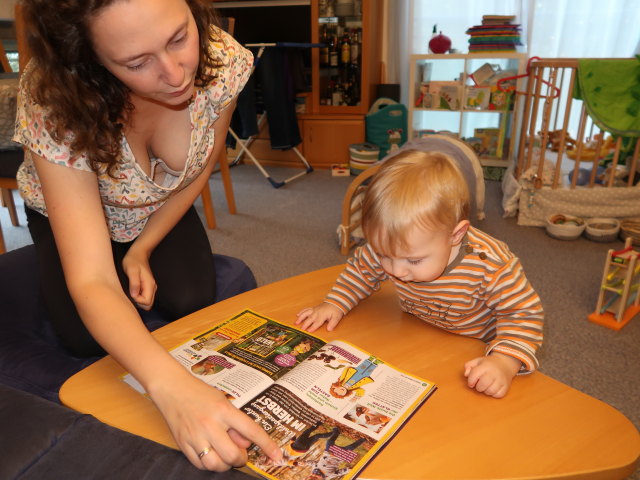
(6,8)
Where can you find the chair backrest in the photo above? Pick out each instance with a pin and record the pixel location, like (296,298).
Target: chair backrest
(350,231)
(464,157)
(228,24)
(5,67)
(21,37)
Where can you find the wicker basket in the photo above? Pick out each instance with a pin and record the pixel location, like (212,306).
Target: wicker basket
(630,228)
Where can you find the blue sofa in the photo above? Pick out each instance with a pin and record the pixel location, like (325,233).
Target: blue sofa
(40,438)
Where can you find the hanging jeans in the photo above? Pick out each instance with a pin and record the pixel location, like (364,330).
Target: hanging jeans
(274,79)
(278,95)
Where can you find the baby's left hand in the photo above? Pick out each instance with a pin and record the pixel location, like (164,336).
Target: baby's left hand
(491,375)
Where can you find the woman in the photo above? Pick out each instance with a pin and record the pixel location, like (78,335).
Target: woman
(123,108)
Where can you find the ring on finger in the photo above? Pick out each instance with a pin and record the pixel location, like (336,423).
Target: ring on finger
(204,452)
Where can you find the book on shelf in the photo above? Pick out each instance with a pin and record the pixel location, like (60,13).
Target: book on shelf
(501,100)
(330,406)
(497,19)
(477,98)
(494,38)
(482,75)
(444,95)
(489,141)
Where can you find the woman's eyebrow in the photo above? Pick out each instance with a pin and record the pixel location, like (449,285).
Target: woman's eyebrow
(177,32)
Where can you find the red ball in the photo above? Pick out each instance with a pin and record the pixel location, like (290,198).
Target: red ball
(440,43)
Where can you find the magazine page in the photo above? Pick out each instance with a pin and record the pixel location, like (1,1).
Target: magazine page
(333,412)
(242,356)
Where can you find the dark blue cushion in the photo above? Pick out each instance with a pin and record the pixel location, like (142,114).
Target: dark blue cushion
(43,440)
(31,357)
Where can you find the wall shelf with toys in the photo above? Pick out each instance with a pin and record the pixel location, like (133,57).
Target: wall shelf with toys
(457,94)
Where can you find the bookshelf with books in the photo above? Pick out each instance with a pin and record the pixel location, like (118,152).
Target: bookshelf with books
(457,94)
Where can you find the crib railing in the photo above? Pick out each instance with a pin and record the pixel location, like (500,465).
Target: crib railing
(556,127)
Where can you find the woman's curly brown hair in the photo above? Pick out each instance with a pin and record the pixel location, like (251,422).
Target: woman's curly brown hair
(81,97)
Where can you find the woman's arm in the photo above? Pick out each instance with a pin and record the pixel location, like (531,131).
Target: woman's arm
(199,416)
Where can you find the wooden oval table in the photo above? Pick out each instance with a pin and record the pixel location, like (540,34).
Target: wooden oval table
(542,429)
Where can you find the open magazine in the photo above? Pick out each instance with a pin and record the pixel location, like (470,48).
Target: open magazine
(329,406)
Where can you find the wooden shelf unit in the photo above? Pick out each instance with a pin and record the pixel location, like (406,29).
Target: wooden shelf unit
(459,67)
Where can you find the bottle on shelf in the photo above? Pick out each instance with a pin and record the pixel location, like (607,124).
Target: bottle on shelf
(324,50)
(334,56)
(355,93)
(355,46)
(325,97)
(326,8)
(345,49)
(434,33)
(337,94)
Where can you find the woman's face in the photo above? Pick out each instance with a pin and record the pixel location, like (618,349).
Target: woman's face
(152,46)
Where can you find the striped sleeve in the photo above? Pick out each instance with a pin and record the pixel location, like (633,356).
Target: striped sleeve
(360,278)
(519,315)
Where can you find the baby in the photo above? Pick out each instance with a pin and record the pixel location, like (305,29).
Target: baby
(447,273)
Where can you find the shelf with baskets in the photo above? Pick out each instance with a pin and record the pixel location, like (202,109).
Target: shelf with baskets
(456,94)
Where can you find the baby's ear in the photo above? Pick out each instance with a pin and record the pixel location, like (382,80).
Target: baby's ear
(459,232)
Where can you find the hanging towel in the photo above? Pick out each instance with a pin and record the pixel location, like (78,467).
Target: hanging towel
(610,89)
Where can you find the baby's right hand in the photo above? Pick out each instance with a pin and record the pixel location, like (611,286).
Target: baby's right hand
(313,318)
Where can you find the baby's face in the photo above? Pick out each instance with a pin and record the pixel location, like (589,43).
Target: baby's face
(424,258)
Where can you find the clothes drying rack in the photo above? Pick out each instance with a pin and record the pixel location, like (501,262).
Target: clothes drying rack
(245,144)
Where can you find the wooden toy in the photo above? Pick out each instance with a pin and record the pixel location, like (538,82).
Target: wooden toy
(619,298)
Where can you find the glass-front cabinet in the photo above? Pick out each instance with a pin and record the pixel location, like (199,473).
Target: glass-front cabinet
(344,66)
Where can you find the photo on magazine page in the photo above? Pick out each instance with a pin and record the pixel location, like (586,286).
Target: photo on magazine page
(313,445)
(243,355)
(356,388)
(258,342)
(333,412)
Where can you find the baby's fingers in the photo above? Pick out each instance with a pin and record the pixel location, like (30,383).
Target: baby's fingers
(469,366)
(333,323)
(312,324)
(303,315)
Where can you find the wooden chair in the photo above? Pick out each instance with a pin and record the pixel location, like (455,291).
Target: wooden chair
(10,159)
(460,153)
(228,24)
(351,219)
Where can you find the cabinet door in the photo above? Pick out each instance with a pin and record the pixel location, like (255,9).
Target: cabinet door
(327,141)
(346,69)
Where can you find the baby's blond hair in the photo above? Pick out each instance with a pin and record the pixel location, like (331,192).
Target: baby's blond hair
(413,188)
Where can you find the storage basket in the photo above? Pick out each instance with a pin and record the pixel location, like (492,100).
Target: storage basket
(362,156)
(630,227)
(386,125)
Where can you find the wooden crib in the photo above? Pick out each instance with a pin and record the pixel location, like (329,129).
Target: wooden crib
(560,151)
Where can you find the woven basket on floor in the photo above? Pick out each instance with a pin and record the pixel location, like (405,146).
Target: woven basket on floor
(630,228)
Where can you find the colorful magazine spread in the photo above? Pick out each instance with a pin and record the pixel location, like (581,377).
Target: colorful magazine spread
(330,406)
